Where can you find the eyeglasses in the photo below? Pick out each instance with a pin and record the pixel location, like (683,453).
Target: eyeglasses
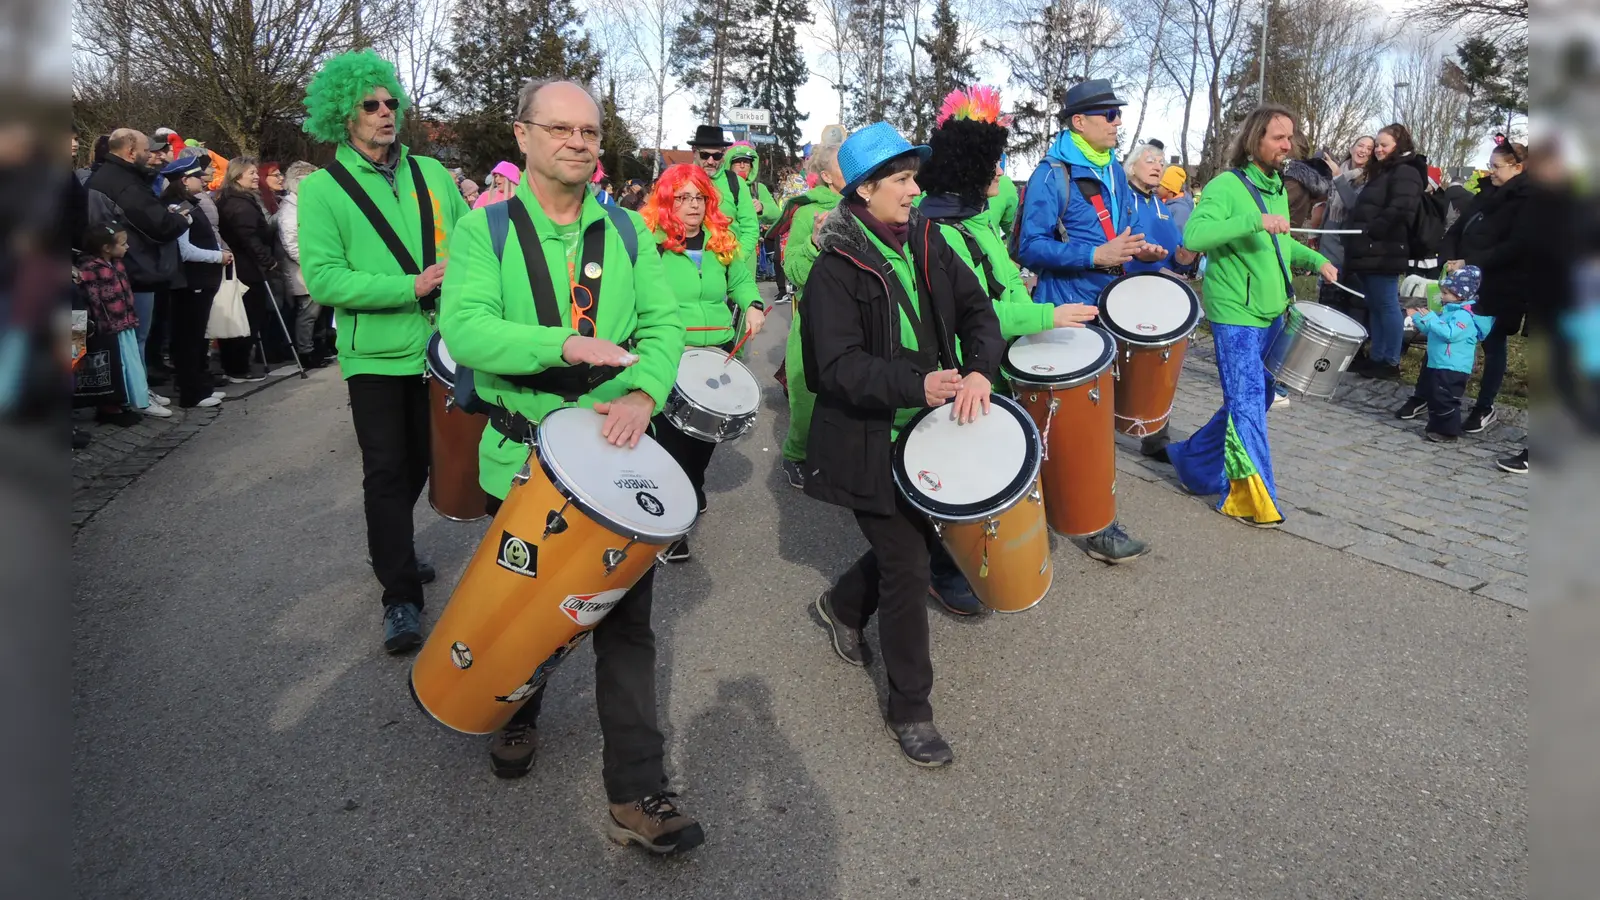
(711,154)
(1112,116)
(591,136)
(371,106)
(685,199)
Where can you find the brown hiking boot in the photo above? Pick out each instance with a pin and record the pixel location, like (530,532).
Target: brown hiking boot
(655,824)
(511,750)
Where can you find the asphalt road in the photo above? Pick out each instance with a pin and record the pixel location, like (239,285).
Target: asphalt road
(1240,714)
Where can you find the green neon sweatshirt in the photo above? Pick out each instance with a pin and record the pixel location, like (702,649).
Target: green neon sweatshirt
(798,252)
(381,328)
(703,293)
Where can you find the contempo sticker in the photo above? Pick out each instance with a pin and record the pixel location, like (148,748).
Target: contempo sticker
(588,609)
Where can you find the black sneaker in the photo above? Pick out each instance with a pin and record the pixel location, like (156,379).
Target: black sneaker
(795,472)
(1480,420)
(1413,408)
(402,628)
(1155,447)
(125,418)
(1438,438)
(678,552)
(846,640)
(1516,465)
(425,573)
(511,750)
(921,743)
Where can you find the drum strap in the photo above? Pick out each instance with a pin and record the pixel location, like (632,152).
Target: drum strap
(386,232)
(1261,203)
(982,259)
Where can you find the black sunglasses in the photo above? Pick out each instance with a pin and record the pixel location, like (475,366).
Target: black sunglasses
(1110,115)
(371,106)
(708,154)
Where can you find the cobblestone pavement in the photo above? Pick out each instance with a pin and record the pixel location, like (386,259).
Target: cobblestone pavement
(1352,477)
(118,455)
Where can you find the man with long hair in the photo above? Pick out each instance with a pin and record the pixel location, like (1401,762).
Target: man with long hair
(1242,222)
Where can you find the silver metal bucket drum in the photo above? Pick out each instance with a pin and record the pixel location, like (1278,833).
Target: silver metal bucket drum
(1314,349)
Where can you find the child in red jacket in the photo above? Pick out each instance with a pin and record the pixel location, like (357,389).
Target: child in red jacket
(110,300)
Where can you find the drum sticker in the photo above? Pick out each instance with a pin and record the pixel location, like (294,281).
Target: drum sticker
(648,502)
(1146,327)
(1322,365)
(930,480)
(461,655)
(1042,367)
(542,674)
(518,555)
(588,609)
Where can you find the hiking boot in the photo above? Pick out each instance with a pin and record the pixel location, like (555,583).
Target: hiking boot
(1438,438)
(1516,465)
(655,824)
(1479,420)
(846,640)
(953,591)
(678,552)
(1413,408)
(921,743)
(1114,546)
(795,472)
(402,627)
(511,750)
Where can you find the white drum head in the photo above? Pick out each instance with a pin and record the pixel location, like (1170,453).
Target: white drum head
(1149,307)
(1331,319)
(1061,354)
(716,383)
(964,465)
(641,493)
(440,362)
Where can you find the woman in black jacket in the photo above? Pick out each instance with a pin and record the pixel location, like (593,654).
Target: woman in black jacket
(243,224)
(1501,233)
(1396,176)
(873,364)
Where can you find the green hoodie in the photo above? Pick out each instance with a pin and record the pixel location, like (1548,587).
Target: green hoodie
(1244,284)
(491,324)
(769,210)
(1017,312)
(798,254)
(1001,213)
(381,328)
(703,293)
(741,215)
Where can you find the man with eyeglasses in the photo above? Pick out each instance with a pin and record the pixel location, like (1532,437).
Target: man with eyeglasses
(1076,232)
(737,203)
(557,301)
(375,230)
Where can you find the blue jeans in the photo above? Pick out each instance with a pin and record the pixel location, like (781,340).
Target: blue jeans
(144,306)
(1385,324)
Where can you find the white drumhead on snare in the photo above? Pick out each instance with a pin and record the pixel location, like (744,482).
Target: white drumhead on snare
(1058,353)
(713,381)
(642,490)
(965,464)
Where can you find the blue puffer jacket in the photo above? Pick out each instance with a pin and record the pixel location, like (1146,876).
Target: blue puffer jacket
(1065,263)
(1453,336)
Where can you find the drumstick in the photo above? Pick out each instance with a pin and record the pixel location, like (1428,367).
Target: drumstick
(709,328)
(735,351)
(1348,290)
(1326,230)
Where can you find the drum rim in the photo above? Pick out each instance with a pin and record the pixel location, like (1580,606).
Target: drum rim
(1064,382)
(1161,340)
(965,513)
(589,509)
(435,364)
(1304,321)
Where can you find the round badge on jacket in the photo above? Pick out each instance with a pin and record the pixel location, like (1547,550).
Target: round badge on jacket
(591,270)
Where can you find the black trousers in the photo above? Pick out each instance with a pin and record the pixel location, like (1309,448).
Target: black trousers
(189,312)
(1443,390)
(235,352)
(633,756)
(160,328)
(693,454)
(390,413)
(891,580)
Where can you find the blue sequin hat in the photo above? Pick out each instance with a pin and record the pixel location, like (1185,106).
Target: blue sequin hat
(865,151)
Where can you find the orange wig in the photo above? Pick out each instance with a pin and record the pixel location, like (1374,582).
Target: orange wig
(661,214)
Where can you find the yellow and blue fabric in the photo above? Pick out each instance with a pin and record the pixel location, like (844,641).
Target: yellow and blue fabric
(1230,455)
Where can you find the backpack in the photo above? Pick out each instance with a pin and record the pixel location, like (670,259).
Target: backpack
(778,234)
(1426,234)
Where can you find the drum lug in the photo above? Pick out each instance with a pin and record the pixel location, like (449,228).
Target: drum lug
(449,400)
(1094,396)
(523,474)
(1166,353)
(556,522)
(614,557)
(1035,496)
(1116,372)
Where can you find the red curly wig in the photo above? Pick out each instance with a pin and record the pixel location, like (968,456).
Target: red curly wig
(660,212)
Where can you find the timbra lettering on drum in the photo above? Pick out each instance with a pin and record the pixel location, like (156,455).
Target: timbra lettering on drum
(636,484)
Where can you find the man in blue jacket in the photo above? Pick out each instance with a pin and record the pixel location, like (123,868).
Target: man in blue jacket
(1075,231)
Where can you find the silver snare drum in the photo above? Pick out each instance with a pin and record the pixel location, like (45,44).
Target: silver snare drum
(1314,348)
(715,399)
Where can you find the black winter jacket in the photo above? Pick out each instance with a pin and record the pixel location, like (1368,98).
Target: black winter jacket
(1503,235)
(1384,212)
(243,224)
(850,342)
(152,228)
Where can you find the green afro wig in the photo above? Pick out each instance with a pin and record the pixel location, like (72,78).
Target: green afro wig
(339,88)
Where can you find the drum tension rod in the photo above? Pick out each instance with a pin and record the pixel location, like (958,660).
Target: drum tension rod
(556,522)
(614,557)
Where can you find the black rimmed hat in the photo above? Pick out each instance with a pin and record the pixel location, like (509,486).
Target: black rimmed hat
(709,136)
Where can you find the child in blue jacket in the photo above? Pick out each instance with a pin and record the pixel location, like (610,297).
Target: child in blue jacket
(1453,336)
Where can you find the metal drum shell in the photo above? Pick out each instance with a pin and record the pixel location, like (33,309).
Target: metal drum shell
(700,421)
(1310,358)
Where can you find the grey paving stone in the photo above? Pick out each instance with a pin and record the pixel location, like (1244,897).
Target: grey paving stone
(1416,567)
(1500,547)
(1510,591)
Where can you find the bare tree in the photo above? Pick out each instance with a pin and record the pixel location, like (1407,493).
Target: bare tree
(1435,112)
(1218,24)
(645,32)
(1145,27)
(416,45)
(1052,45)
(1325,63)
(831,27)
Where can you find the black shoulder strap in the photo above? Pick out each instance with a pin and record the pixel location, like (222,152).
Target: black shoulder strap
(733,191)
(539,279)
(430,247)
(991,283)
(1261,204)
(590,270)
(944,347)
(376,219)
(625,230)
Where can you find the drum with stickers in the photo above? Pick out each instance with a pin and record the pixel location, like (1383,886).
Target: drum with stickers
(1063,378)
(453,435)
(979,483)
(581,525)
(715,398)
(1151,316)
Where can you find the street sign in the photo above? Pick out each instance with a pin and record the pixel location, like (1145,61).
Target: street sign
(757,138)
(745,116)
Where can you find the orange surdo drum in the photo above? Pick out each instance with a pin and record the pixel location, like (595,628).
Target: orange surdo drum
(979,483)
(1063,378)
(1151,316)
(581,525)
(453,436)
